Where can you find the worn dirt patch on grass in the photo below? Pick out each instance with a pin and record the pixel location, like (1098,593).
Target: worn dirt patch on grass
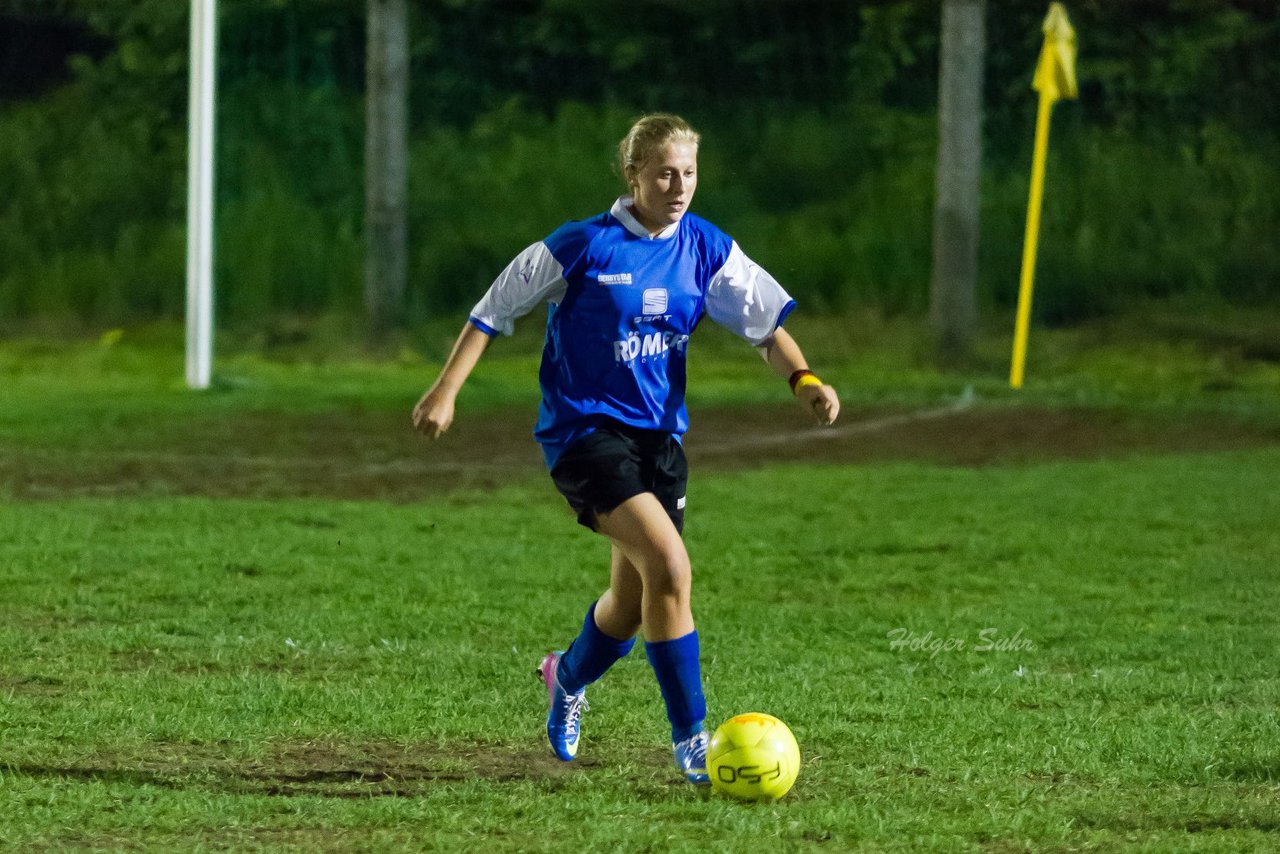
(31,685)
(310,769)
(317,769)
(376,455)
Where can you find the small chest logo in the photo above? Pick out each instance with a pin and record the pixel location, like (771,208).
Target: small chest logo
(614,278)
(654,301)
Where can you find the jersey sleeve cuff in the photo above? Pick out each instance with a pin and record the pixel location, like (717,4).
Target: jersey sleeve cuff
(777,324)
(484,327)
(782,315)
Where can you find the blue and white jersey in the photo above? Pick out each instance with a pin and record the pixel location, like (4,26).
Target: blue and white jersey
(621,308)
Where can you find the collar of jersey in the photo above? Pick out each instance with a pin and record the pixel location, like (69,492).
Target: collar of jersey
(621,211)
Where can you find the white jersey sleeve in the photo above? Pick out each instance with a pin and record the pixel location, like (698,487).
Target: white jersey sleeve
(743,298)
(534,276)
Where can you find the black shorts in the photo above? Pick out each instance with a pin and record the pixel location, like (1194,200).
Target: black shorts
(616,462)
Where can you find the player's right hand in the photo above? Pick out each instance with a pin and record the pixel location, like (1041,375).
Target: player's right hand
(433,414)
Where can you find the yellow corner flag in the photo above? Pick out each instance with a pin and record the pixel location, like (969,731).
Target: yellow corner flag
(1055,78)
(1056,69)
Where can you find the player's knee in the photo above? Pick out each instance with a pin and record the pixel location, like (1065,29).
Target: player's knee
(668,573)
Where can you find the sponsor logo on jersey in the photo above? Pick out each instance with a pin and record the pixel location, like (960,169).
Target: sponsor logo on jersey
(649,345)
(614,278)
(654,301)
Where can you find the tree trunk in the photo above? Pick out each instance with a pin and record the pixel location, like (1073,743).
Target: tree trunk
(386,164)
(959,171)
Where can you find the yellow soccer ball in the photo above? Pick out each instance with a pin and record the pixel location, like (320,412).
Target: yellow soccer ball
(753,757)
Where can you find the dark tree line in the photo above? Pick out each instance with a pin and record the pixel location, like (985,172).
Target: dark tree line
(834,92)
(1160,65)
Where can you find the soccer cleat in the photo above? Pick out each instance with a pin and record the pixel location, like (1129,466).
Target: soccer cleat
(691,758)
(565,712)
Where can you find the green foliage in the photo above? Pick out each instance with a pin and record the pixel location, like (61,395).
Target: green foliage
(818,153)
(90,227)
(1121,225)
(484,193)
(278,253)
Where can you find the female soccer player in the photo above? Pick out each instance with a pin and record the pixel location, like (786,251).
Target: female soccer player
(624,291)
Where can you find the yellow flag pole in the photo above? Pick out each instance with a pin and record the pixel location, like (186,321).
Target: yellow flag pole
(1031,240)
(1055,78)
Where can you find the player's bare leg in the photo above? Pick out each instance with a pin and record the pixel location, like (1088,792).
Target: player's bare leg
(618,610)
(646,537)
(607,635)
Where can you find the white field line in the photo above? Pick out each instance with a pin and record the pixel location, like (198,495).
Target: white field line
(858,428)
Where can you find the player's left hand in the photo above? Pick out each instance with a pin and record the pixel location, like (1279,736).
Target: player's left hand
(434,413)
(821,402)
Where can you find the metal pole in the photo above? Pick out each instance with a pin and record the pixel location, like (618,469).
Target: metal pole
(1029,243)
(200,160)
(1055,78)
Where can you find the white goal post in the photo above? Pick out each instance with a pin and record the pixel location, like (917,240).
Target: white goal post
(200,161)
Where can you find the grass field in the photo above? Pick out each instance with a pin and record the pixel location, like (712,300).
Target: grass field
(270,657)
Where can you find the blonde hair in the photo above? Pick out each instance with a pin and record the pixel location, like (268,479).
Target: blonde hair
(647,136)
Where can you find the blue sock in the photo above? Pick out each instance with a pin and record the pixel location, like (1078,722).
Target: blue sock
(590,655)
(675,663)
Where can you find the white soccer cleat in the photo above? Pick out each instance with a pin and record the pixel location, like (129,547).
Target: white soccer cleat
(691,758)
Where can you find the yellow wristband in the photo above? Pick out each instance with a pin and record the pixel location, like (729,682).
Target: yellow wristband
(807,380)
